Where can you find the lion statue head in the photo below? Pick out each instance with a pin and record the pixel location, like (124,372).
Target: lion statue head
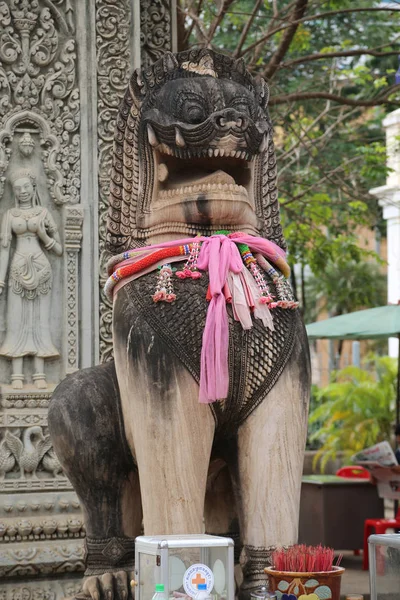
(193,153)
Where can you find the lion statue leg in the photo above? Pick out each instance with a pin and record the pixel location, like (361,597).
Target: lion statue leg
(268,471)
(87,430)
(86,426)
(168,431)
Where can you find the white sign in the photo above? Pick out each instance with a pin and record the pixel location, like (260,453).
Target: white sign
(197,574)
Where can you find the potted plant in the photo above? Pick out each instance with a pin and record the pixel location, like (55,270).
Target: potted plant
(305,573)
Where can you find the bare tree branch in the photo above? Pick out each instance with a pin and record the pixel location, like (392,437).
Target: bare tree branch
(298,12)
(337,182)
(380,99)
(279,16)
(319,142)
(189,31)
(345,53)
(315,142)
(247,28)
(198,26)
(328,13)
(220,15)
(327,177)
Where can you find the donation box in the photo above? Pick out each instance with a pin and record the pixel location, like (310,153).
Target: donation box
(181,563)
(384,566)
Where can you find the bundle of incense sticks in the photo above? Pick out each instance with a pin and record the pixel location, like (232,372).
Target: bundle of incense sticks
(305,559)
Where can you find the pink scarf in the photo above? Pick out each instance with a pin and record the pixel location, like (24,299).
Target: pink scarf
(218,255)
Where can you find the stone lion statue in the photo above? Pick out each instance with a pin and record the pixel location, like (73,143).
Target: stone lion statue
(203,416)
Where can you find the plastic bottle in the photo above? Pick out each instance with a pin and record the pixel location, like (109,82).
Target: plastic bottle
(202,593)
(159,595)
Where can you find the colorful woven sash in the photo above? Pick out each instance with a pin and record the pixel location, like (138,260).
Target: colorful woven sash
(219,255)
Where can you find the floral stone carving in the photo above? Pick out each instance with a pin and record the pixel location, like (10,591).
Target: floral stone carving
(38,82)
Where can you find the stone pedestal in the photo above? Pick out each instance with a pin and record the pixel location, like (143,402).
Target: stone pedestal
(41,589)
(41,525)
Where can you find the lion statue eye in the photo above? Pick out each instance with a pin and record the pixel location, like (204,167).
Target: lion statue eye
(190,108)
(242,106)
(193,112)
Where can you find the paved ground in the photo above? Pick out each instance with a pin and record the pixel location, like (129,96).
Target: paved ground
(356,581)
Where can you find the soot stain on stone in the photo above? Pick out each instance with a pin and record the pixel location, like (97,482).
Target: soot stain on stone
(90,400)
(145,348)
(151,352)
(301,356)
(203,208)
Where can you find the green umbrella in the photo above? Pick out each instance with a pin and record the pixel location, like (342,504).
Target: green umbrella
(374,323)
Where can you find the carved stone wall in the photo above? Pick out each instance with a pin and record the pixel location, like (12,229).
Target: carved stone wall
(41,525)
(64,66)
(40,589)
(73,221)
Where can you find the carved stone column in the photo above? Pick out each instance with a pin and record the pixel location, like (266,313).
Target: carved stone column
(157,29)
(113,22)
(73,221)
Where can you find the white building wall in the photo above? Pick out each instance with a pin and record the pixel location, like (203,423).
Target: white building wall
(389,198)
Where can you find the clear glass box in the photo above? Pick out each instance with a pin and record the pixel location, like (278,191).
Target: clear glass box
(181,563)
(384,566)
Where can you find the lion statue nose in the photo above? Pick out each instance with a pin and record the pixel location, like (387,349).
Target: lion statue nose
(231,119)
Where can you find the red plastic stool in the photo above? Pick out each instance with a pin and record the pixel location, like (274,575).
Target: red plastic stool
(380,526)
(353,473)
